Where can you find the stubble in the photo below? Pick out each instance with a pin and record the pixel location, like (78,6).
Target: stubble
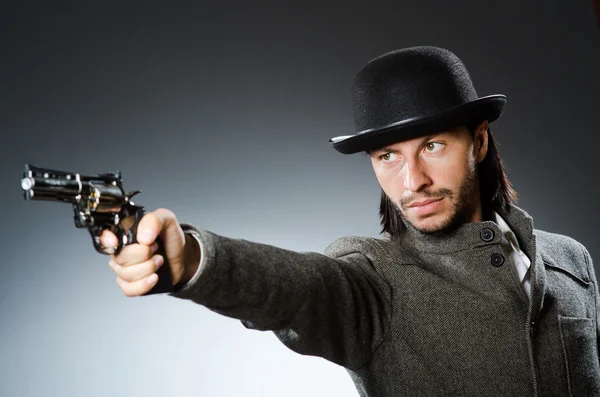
(463,204)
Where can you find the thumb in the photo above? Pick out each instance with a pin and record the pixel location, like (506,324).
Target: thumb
(149,228)
(160,222)
(163,223)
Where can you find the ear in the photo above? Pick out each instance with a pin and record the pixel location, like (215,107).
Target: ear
(480,141)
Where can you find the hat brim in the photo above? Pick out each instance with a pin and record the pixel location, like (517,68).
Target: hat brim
(486,108)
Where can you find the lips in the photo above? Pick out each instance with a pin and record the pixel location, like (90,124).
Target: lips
(422,203)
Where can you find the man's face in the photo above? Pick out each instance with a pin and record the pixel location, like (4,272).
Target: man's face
(433,180)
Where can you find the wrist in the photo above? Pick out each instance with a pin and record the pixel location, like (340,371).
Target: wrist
(191,258)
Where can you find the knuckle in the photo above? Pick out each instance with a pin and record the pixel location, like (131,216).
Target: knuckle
(138,287)
(116,268)
(139,271)
(156,262)
(121,257)
(149,282)
(132,255)
(148,228)
(123,285)
(126,275)
(166,215)
(150,218)
(143,286)
(163,211)
(129,290)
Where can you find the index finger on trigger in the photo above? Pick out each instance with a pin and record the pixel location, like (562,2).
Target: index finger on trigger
(108,239)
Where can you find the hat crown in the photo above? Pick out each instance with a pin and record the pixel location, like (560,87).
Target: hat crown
(407,84)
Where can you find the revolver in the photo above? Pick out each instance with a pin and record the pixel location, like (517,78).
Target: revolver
(99,203)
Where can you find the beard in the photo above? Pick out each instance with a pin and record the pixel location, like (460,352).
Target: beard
(464,204)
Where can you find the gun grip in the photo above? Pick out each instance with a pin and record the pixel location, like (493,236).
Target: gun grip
(126,233)
(165,280)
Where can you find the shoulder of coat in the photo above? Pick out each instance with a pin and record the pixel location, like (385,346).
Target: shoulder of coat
(562,251)
(372,247)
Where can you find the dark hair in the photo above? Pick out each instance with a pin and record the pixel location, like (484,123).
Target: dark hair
(495,188)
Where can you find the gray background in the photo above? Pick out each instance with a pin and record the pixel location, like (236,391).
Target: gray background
(222,112)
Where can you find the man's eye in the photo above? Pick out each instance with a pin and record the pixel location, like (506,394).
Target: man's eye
(387,157)
(433,147)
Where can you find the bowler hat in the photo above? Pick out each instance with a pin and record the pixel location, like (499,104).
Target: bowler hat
(413,92)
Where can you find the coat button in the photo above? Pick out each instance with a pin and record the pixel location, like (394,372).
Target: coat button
(497,260)
(487,235)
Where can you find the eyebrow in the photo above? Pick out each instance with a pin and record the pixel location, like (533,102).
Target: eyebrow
(389,149)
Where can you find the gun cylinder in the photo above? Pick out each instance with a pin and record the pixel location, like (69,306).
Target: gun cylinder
(105,198)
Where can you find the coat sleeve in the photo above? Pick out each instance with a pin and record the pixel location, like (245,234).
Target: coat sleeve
(333,305)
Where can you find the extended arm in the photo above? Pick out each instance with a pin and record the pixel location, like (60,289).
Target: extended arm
(335,306)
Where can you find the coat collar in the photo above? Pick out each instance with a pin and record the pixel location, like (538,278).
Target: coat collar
(472,235)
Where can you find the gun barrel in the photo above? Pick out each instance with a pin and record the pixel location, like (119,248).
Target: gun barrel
(103,193)
(37,187)
(27,183)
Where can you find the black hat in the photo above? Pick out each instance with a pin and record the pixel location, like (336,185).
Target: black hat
(413,92)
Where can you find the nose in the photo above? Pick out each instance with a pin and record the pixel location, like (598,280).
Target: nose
(415,178)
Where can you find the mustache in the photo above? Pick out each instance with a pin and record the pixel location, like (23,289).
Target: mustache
(438,194)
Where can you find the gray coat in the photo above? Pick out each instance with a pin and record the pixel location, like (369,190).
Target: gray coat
(421,315)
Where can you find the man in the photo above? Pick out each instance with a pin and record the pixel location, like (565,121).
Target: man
(459,297)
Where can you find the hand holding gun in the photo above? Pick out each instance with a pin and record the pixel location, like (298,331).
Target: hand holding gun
(101,205)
